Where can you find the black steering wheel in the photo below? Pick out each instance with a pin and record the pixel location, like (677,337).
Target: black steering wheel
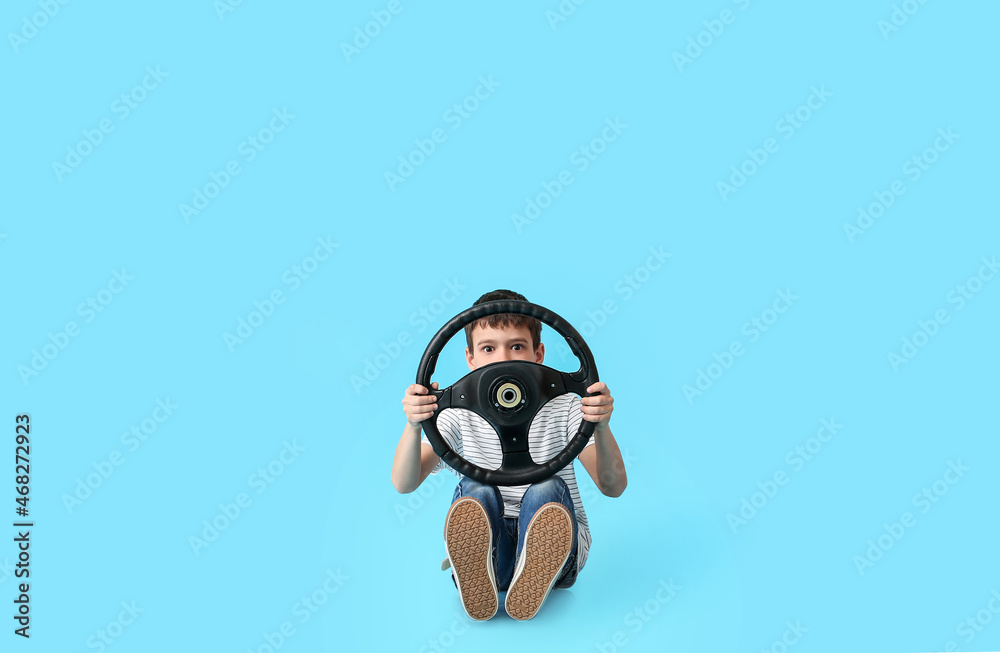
(508,395)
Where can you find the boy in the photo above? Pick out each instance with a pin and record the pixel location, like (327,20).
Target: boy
(525,539)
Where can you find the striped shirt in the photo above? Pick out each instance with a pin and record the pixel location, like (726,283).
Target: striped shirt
(472,438)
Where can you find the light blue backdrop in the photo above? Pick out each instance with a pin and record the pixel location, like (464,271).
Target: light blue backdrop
(231,229)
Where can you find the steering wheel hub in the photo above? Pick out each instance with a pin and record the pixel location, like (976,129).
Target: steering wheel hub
(508,395)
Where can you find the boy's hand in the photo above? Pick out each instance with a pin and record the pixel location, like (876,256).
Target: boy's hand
(418,405)
(598,409)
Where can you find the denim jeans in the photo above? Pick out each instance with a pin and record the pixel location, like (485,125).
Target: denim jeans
(508,532)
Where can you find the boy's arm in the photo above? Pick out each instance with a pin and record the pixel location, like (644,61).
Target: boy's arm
(414,460)
(603,461)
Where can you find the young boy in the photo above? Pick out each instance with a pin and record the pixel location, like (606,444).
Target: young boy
(525,539)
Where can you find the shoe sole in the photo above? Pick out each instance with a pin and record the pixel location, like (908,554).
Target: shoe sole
(469,541)
(547,544)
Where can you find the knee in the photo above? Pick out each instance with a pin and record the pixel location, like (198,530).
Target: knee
(488,495)
(552,488)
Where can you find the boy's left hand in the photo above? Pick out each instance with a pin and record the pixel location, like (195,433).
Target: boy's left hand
(598,409)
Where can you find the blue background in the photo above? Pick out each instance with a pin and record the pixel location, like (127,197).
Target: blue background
(407,246)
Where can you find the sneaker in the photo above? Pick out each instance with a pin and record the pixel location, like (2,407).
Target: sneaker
(469,541)
(547,544)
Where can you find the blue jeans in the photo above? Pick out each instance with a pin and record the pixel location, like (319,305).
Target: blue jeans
(508,532)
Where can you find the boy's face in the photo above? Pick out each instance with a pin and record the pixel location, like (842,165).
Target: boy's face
(492,345)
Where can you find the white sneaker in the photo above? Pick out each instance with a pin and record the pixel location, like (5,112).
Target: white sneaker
(469,541)
(548,541)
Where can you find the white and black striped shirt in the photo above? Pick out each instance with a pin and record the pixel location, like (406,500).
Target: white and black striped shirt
(472,438)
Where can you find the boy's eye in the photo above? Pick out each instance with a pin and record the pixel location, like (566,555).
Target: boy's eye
(518,347)
(487,349)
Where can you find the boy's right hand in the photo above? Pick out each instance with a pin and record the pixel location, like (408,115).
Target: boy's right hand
(418,404)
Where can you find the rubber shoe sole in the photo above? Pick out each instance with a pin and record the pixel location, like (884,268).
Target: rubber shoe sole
(469,541)
(547,544)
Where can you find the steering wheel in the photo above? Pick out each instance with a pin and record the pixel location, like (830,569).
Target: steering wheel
(508,395)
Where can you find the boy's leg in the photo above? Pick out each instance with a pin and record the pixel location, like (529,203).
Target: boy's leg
(472,538)
(506,553)
(546,547)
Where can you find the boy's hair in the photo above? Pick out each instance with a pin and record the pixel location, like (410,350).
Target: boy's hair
(505,320)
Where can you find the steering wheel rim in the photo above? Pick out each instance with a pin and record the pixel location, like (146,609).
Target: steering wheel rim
(521,387)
